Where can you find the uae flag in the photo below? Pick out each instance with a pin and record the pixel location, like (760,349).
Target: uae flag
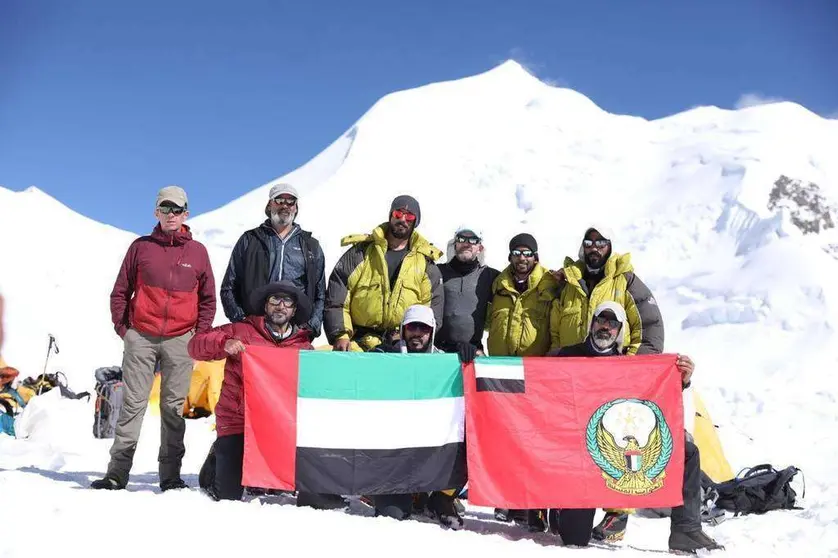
(352,423)
(550,432)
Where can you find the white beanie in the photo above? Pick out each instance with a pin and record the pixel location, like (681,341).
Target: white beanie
(617,309)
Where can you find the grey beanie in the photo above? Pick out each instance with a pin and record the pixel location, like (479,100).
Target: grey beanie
(410,204)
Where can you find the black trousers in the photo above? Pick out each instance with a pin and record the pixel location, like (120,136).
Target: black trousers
(575,525)
(229,456)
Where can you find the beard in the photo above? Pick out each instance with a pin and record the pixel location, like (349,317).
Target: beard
(467,255)
(603,339)
(594,260)
(416,344)
(278,318)
(400,230)
(282,218)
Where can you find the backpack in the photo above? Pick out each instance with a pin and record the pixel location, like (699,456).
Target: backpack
(109,395)
(759,490)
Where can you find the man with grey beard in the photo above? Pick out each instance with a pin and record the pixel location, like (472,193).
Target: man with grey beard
(276,250)
(468,291)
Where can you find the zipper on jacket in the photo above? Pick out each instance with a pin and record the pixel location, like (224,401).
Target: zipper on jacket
(169,286)
(282,249)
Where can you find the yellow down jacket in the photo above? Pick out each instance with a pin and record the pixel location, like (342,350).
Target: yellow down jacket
(360,305)
(571,315)
(519,324)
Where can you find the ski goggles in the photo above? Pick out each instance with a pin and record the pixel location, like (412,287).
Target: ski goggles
(402,214)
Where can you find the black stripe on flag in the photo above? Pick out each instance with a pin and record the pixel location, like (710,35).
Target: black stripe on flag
(369,472)
(501,385)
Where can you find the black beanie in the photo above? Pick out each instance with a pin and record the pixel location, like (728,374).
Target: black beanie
(523,239)
(409,203)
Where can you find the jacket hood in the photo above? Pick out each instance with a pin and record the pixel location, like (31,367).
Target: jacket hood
(618,310)
(422,314)
(604,230)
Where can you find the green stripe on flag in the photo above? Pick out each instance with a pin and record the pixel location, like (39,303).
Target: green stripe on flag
(500,361)
(378,376)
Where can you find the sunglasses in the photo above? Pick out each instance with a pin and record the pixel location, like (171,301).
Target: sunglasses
(286,201)
(610,322)
(167,209)
(599,243)
(469,239)
(406,215)
(285,301)
(525,253)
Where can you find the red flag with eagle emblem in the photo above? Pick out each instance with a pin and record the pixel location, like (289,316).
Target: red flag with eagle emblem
(544,432)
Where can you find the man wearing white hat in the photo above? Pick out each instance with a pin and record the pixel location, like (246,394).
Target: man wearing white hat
(277,250)
(467,282)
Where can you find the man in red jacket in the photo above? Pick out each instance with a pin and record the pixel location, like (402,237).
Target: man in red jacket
(163,295)
(286,307)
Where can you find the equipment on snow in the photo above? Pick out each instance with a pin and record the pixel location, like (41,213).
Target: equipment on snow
(761,489)
(109,397)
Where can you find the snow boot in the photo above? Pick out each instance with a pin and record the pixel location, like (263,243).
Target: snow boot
(612,528)
(321,501)
(441,506)
(689,542)
(173,484)
(505,515)
(536,521)
(107,483)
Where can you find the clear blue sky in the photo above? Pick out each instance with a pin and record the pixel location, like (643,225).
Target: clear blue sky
(103,102)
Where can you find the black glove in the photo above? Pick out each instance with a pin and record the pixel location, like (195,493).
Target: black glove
(466,352)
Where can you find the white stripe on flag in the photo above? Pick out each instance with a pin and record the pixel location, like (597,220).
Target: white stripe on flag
(371,424)
(499,371)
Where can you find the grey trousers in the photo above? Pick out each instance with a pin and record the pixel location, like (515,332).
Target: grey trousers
(138,362)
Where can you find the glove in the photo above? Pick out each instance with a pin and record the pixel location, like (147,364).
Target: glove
(466,352)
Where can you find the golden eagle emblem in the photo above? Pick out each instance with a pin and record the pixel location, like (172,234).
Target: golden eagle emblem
(630,468)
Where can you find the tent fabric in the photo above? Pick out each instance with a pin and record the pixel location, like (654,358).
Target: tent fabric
(713,460)
(204,389)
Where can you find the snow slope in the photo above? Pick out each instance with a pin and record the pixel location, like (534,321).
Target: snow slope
(741,288)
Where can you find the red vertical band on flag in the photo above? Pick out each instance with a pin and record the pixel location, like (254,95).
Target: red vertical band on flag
(270,417)
(585,433)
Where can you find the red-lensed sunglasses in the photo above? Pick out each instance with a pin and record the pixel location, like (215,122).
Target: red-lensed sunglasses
(406,215)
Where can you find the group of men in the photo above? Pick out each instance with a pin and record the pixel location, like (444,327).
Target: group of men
(385,293)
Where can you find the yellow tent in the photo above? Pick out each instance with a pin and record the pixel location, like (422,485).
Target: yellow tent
(204,390)
(713,460)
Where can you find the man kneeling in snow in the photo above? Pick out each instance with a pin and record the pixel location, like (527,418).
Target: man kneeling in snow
(286,307)
(416,335)
(605,338)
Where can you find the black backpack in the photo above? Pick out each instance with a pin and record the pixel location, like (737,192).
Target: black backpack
(759,490)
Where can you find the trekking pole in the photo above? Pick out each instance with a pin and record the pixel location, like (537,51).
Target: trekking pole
(52,343)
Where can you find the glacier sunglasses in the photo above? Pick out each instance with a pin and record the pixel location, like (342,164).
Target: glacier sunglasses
(599,243)
(167,209)
(290,202)
(612,323)
(467,239)
(401,214)
(525,253)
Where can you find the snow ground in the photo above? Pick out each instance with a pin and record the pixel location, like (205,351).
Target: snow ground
(749,297)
